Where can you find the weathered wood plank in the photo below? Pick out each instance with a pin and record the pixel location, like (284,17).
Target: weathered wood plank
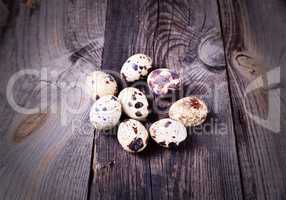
(47,155)
(255,37)
(206,166)
(117,174)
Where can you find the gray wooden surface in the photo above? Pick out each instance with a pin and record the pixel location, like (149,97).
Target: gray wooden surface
(55,153)
(255,38)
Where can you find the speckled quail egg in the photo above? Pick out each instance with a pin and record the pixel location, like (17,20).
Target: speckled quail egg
(168,132)
(105,112)
(132,135)
(134,103)
(99,84)
(160,81)
(191,111)
(136,67)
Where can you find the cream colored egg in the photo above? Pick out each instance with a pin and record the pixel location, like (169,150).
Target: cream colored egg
(99,84)
(134,103)
(191,111)
(132,136)
(136,67)
(168,132)
(105,112)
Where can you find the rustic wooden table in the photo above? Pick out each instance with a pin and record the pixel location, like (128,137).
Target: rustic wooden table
(55,154)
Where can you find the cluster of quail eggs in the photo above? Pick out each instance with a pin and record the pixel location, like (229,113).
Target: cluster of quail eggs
(131,134)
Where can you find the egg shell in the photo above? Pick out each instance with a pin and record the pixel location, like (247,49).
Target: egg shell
(191,111)
(136,67)
(132,136)
(160,81)
(99,84)
(168,132)
(134,103)
(105,112)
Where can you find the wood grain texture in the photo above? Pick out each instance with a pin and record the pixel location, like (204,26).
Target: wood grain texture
(47,155)
(255,37)
(206,166)
(117,174)
(239,153)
